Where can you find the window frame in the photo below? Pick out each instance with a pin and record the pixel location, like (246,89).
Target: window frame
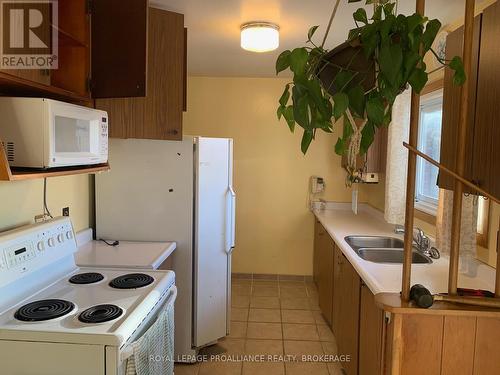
(428,205)
(427,214)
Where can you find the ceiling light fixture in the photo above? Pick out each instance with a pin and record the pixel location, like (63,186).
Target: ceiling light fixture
(260,36)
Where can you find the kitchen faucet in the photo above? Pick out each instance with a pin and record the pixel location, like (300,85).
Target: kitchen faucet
(421,241)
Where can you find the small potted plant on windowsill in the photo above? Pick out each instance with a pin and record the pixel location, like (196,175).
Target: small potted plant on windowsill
(359,80)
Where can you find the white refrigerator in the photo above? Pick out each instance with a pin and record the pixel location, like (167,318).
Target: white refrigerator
(183,192)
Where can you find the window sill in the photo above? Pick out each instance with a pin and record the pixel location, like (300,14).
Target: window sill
(425,212)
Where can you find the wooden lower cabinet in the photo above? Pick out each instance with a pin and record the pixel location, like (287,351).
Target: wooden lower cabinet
(346,301)
(318,228)
(385,336)
(371,327)
(443,342)
(324,270)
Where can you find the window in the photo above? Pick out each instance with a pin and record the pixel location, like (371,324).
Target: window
(483,216)
(429,142)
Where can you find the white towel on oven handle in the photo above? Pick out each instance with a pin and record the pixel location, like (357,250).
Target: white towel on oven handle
(153,352)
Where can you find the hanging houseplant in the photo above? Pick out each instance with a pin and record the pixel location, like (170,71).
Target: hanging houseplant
(359,80)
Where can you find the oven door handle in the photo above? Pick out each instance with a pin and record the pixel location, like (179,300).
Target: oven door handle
(128,350)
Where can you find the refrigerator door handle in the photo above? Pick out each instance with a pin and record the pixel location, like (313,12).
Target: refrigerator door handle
(231,222)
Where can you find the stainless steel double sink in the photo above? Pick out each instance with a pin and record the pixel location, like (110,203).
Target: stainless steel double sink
(380,249)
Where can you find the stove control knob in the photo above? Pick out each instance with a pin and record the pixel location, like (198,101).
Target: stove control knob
(60,238)
(40,246)
(69,234)
(51,242)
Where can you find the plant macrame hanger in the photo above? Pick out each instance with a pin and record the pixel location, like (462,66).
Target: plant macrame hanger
(355,143)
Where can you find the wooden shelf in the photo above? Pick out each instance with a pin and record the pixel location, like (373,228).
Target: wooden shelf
(393,303)
(10,84)
(18,174)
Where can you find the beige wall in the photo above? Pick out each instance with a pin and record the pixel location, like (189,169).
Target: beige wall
(271,176)
(20,201)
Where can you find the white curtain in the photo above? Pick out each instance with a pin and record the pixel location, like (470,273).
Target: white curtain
(468,229)
(397,160)
(395,191)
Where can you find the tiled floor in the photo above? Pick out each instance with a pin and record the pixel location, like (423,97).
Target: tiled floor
(279,318)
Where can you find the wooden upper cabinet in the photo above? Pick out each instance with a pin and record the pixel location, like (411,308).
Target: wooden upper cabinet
(486,149)
(74,48)
(119,48)
(483,134)
(158,115)
(451,106)
(70,80)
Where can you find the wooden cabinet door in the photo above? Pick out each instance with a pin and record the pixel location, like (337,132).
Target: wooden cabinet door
(376,156)
(337,291)
(347,298)
(326,271)
(486,150)
(318,233)
(73,72)
(165,98)
(371,324)
(159,114)
(119,48)
(451,106)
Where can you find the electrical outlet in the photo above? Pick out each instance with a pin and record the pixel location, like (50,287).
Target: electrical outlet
(65,211)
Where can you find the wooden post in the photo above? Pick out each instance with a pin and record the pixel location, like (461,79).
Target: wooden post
(497,271)
(410,185)
(460,156)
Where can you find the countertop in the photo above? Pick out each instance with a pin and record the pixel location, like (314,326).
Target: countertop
(128,254)
(340,221)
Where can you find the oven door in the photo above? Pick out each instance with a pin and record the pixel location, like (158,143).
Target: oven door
(168,299)
(77,135)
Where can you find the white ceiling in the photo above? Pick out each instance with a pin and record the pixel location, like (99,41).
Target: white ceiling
(214,29)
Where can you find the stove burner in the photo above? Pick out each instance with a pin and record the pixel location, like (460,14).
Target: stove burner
(44,310)
(100,314)
(86,278)
(131,281)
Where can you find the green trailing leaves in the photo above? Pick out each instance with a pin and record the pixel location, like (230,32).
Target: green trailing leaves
(368,134)
(457,65)
(307,137)
(311,32)
(340,104)
(357,100)
(360,16)
(418,79)
(298,61)
(375,110)
(285,96)
(326,88)
(431,30)
(391,60)
(283,61)
(340,147)
(288,115)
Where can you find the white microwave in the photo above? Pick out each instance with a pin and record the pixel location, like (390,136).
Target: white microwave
(46,133)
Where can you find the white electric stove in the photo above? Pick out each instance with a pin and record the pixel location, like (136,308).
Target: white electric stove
(59,319)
